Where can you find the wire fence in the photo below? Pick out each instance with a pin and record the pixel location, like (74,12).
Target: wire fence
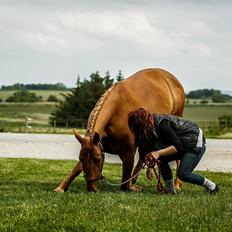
(204,124)
(30,125)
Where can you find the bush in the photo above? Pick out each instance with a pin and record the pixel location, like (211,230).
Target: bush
(225,121)
(1,100)
(219,98)
(24,95)
(204,101)
(52,98)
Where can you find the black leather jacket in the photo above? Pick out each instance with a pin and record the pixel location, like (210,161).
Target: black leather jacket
(186,130)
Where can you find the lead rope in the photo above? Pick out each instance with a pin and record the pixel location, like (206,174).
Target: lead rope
(118,184)
(151,163)
(159,186)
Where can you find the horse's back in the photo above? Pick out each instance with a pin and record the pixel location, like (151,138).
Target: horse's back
(154,89)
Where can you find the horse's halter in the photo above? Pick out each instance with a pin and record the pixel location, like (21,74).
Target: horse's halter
(100,177)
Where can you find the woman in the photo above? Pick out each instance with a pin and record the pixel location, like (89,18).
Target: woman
(166,138)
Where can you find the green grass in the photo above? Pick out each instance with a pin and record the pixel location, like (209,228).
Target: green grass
(206,113)
(12,116)
(28,202)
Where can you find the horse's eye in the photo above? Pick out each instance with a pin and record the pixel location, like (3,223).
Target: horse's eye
(98,159)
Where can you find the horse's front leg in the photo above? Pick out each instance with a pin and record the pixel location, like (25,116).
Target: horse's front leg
(137,170)
(127,166)
(69,178)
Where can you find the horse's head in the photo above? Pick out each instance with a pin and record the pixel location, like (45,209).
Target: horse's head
(92,158)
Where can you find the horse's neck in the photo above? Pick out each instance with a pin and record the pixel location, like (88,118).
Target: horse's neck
(101,113)
(102,121)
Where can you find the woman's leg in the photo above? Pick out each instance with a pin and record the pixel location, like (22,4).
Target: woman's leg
(187,165)
(166,174)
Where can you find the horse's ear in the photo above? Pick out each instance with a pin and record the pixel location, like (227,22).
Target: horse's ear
(96,138)
(78,136)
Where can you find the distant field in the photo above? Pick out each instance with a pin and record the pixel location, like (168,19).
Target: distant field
(13,115)
(4,94)
(208,113)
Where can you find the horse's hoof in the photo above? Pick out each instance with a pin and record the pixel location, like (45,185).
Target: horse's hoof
(59,190)
(135,188)
(178,187)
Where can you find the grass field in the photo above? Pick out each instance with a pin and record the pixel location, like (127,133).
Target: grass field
(28,202)
(12,116)
(207,113)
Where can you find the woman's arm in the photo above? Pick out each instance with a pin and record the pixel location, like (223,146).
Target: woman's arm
(169,136)
(171,150)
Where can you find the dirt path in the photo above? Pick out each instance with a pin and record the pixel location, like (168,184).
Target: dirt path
(218,156)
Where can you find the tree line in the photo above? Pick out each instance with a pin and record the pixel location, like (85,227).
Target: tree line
(24,95)
(215,95)
(20,86)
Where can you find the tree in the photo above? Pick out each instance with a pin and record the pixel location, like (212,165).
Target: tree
(206,94)
(52,98)
(204,101)
(79,103)
(119,76)
(219,98)
(18,86)
(24,95)
(203,93)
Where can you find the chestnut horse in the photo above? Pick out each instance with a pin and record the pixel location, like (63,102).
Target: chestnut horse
(155,90)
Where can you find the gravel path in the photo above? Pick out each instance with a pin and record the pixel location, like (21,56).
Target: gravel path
(218,156)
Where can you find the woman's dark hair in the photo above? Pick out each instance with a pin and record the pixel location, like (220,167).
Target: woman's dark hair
(141,123)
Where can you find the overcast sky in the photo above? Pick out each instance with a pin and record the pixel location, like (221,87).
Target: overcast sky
(50,41)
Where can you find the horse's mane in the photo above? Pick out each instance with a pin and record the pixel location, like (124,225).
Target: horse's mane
(95,112)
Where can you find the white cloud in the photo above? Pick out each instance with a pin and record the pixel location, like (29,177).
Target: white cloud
(82,37)
(70,33)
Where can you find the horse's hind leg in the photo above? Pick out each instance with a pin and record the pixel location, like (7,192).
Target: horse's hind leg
(69,179)
(178,182)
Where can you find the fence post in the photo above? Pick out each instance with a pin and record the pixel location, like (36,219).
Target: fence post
(66,124)
(27,126)
(54,123)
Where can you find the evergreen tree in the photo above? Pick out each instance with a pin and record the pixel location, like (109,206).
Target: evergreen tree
(119,77)
(79,103)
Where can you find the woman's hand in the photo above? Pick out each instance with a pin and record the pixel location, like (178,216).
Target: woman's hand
(155,154)
(151,159)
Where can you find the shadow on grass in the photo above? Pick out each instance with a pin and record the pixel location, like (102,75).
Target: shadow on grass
(78,186)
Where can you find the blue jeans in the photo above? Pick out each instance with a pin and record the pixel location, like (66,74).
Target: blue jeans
(188,162)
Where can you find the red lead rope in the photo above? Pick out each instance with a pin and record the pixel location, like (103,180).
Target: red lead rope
(151,162)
